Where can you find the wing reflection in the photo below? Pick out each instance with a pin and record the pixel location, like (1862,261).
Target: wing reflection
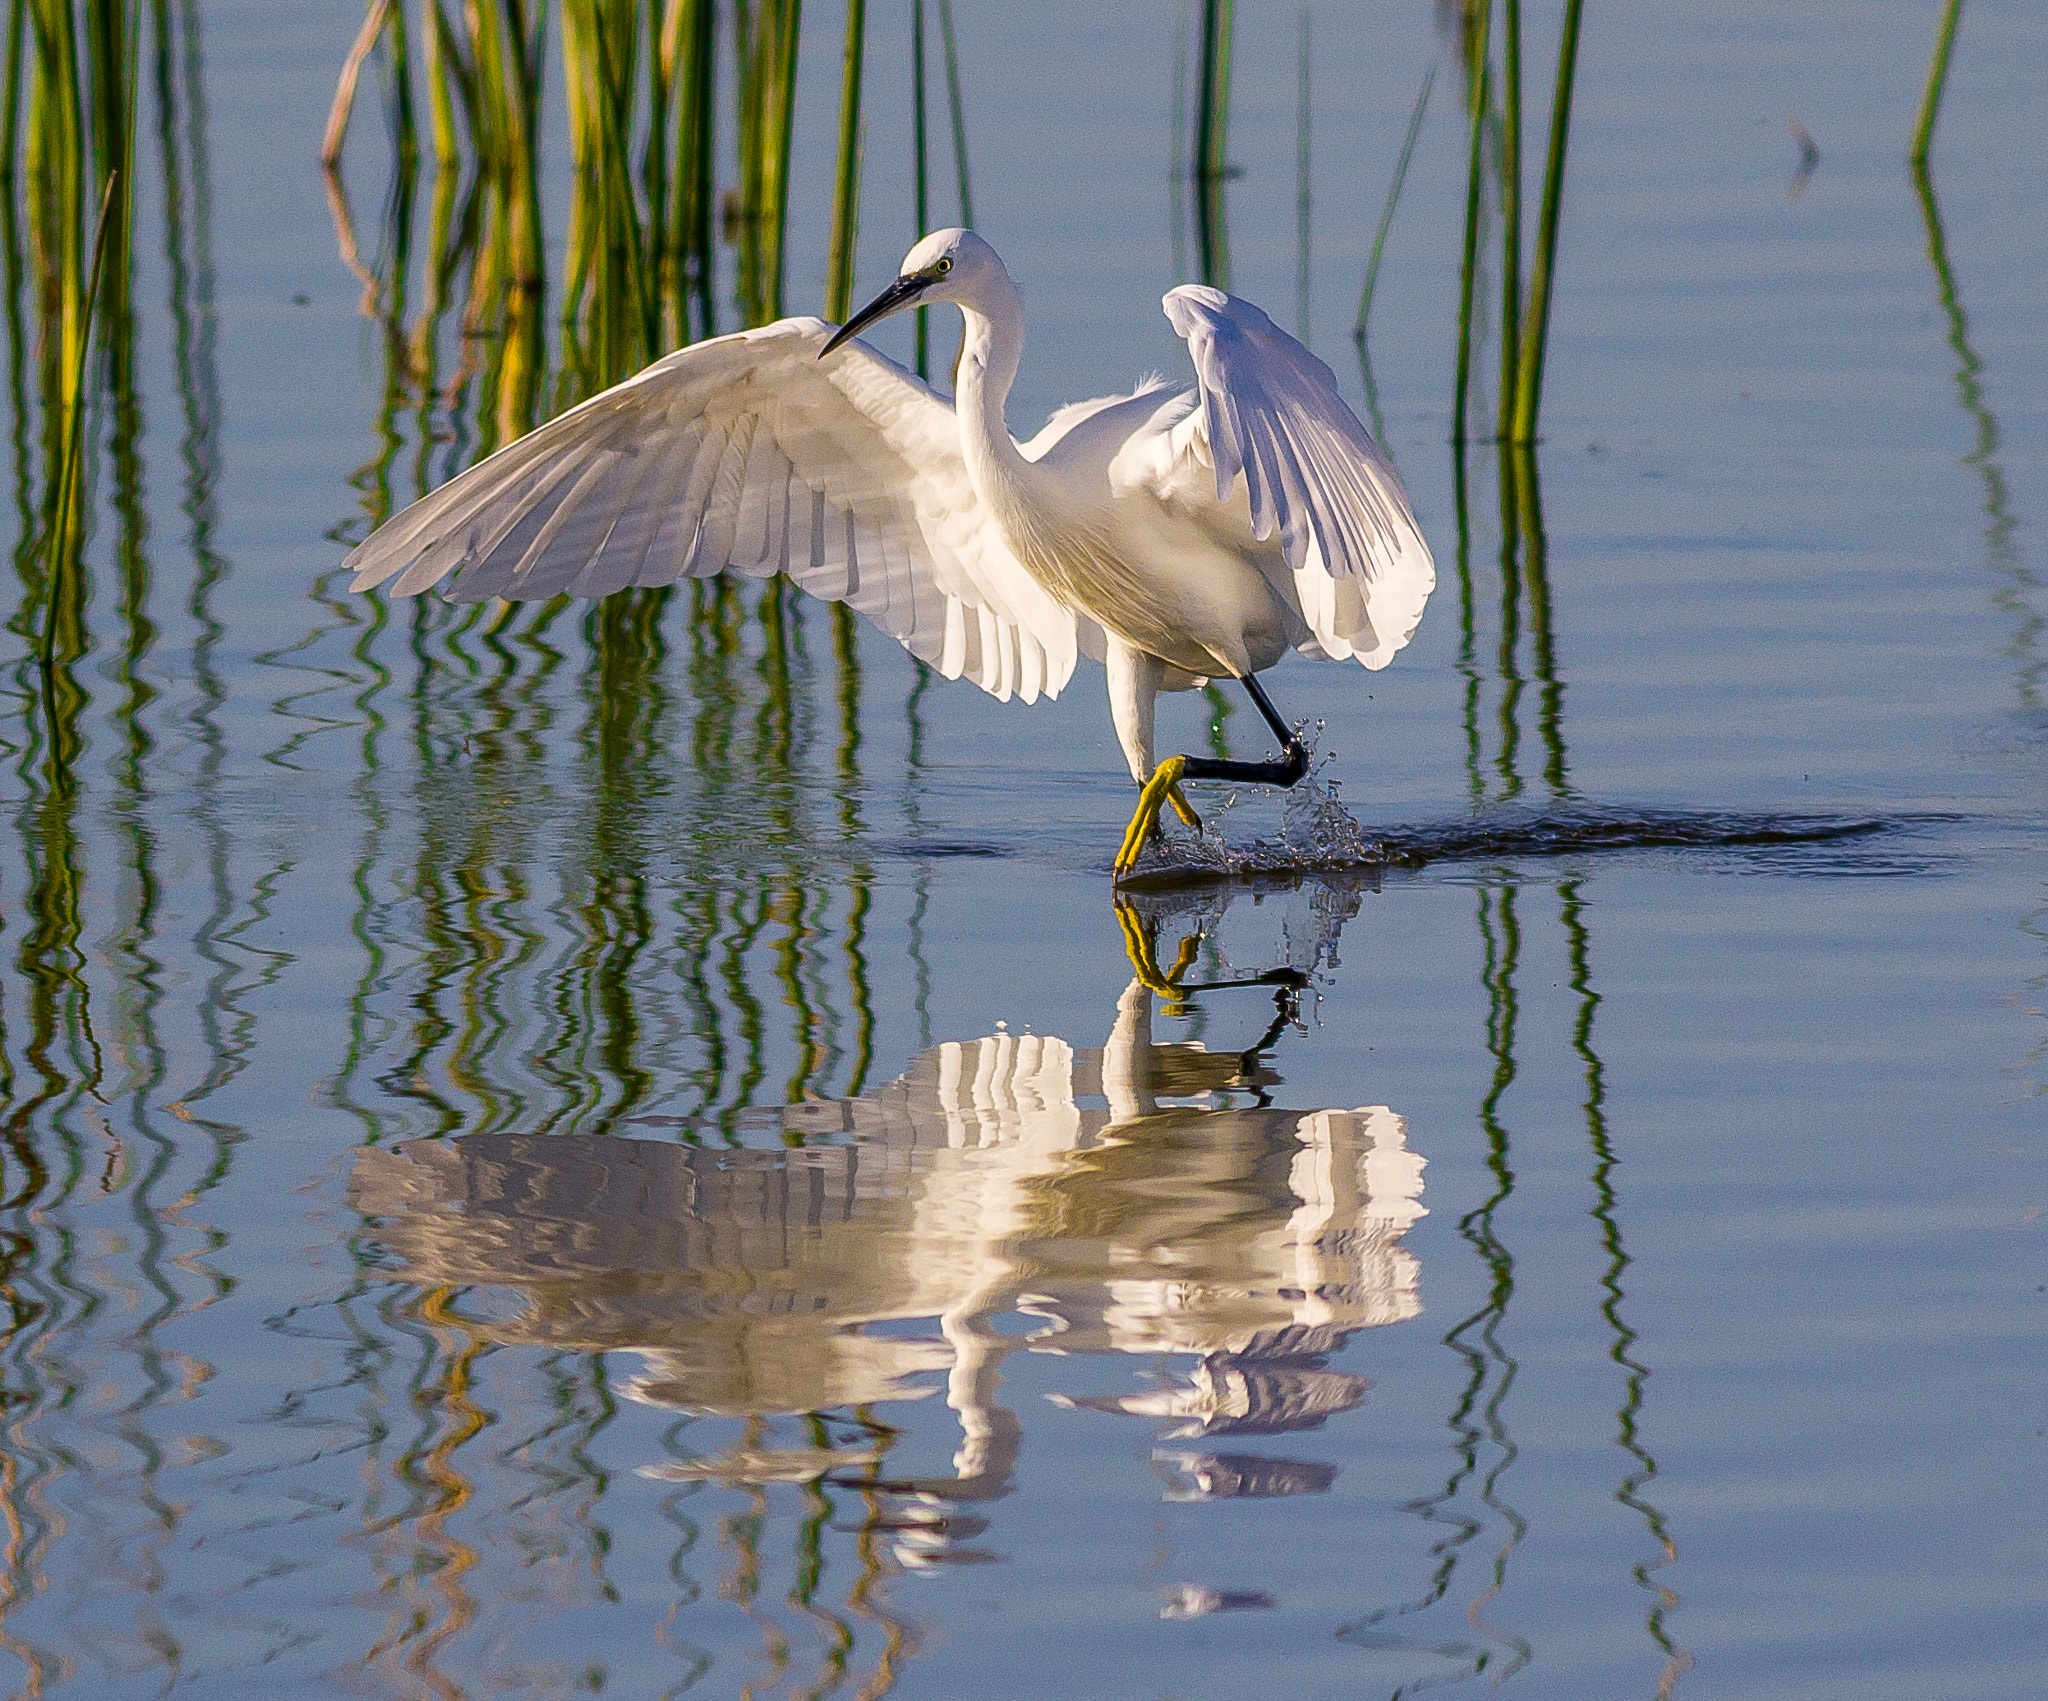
(1114,1198)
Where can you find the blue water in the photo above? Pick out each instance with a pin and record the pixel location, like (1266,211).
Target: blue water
(551,1182)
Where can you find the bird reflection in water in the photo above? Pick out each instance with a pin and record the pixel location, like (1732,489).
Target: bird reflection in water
(1141,1198)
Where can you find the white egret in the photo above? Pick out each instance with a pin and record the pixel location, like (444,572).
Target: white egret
(1178,536)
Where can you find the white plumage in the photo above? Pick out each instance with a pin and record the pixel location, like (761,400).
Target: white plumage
(1177,537)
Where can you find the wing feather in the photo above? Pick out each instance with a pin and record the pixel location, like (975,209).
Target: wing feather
(621,547)
(1269,412)
(722,503)
(651,544)
(748,453)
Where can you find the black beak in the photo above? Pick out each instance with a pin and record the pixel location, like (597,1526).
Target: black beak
(898,295)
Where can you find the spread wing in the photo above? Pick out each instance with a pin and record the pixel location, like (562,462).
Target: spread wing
(1270,410)
(748,453)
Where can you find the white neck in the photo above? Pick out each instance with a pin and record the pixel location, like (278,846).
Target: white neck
(988,366)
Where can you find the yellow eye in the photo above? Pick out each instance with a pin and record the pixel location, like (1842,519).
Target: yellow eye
(945,264)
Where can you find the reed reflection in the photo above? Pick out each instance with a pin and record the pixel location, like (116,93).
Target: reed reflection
(1606,1211)
(2016,582)
(1482,1528)
(1012,1193)
(2016,585)
(109,1150)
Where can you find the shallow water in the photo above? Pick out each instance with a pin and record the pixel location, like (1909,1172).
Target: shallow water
(573,1160)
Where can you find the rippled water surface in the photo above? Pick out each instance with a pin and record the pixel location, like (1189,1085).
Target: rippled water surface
(609,1151)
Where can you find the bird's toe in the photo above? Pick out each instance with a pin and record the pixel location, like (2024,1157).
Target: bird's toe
(1164,785)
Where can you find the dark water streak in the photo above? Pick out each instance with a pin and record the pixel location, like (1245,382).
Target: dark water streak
(1498,835)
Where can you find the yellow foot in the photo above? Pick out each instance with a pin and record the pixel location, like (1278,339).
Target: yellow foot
(1162,788)
(1141,946)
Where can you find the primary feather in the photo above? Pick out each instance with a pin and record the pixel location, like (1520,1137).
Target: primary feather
(1270,413)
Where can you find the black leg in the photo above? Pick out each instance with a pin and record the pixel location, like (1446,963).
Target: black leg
(1285,772)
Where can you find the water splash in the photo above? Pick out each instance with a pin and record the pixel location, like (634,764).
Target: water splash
(1316,832)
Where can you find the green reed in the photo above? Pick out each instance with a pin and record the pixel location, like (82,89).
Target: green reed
(67,147)
(1204,172)
(647,111)
(641,82)
(1179,173)
(1379,235)
(1525,314)
(920,176)
(920,150)
(1479,71)
(846,182)
(690,266)
(766,33)
(10,90)
(1510,208)
(956,108)
(1476,1493)
(1359,338)
(1212,143)
(2016,583)
(1529,374)
(641,226)
(58,598)
(1937,81)
(600,55)
(839,295)
(1641,1470)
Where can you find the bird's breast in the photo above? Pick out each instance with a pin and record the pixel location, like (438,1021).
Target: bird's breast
(1160,585)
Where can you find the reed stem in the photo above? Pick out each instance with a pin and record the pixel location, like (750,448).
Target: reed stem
(663,44)
(10,99)
(958,109)
(696,252)
(766,41)
(404,132)
(846,191)
(67,478)
(445,72)
(920,165)
(785,130)
(838,304)
(1468,270)
(1179,170)
(521,149)
(1379,236)
(1529,386)
(345,90)
(1212,135)
(1304,203)
(1510,211)
(1937,81)
(57,187)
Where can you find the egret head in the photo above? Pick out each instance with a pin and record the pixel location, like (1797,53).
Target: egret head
(948,265)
